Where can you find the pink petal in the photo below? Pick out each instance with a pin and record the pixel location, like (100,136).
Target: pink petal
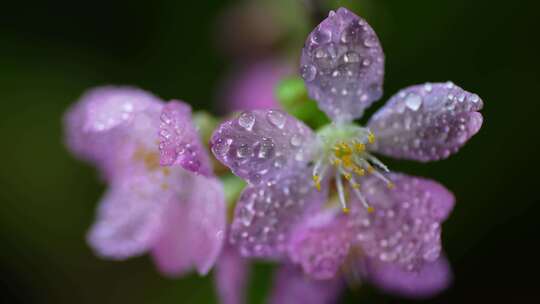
(107,122)
(263,144)
(129,218)
(194,228)
(405,228)
(179,140)
(291,286)
(426,122)
(231,276)
(429,280)
(265,214)
(343,65)
(320,244)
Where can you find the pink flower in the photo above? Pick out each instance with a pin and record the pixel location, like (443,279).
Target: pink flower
(391,222)
(162,196)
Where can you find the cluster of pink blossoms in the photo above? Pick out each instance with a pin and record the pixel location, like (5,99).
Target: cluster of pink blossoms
(317,201)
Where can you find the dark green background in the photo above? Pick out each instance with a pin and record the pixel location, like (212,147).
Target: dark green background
(51,51)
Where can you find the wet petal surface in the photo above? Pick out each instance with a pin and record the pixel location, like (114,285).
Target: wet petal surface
(405,227)
(179,141)
(426,122)
(231,276)
(321,244)
(427,281)
(129,218)
(263,144)
(265,214)
(342,65)
(108,123)
(292,286)
(195,228)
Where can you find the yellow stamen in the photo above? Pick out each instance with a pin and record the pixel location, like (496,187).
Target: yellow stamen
(345,210)
(360,147)
(371,138)
(391,185)
(370,169)
(370,209)
(166,171)
(356,186)
(347,161)
(359,171)
(317,181)
(347,176)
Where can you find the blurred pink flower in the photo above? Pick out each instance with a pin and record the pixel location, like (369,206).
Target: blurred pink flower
(253,86)
(162,196)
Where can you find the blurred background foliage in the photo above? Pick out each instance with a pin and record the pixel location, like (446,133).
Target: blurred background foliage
(51,51)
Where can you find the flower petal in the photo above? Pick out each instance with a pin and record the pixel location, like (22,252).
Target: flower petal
(129,218)
(231,276)
(265,214)
(321,244)
(405,227)
(343,65)
(194,231)
(291,286)
(430,279)
(179,140)
(98,124)
(426,122)
(262,144)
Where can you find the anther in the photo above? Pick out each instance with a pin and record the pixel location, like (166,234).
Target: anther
(371,138)
(317,181)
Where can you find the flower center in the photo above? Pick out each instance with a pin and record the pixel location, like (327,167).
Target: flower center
(344,157)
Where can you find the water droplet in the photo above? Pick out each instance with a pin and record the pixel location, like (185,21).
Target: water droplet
(366,62)
(265,148)
(474,98)
(165,118)
(165,134)
(413,102)
(246,216)
(308,72)
(428,87)
(351,57)
(350,34)
(279,162)
(321,36)
(221,146)
(276,118)
(370,42)
(243,151)
(246,120)
(296,140)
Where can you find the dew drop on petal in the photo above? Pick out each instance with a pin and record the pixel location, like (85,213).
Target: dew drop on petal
(276,118)
(243,151)
(321,36)
(413,102)
(246,120)
(296,140)
(308,72)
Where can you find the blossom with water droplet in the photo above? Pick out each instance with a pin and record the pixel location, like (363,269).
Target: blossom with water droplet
(393,219)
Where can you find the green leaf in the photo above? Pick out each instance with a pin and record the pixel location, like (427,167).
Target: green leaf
(293,98)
